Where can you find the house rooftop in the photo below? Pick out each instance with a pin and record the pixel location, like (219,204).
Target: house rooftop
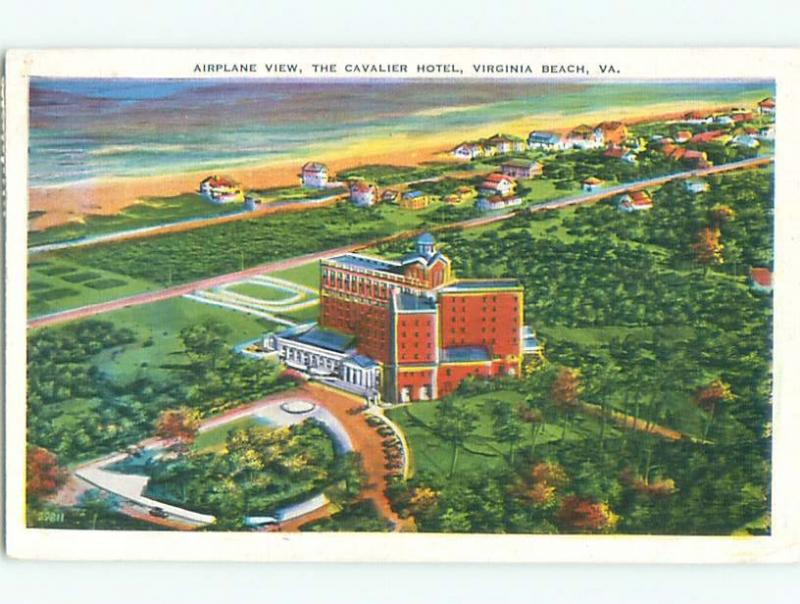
(761,276)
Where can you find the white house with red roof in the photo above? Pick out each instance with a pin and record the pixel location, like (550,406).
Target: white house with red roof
(314,175)
(498,184)
(635,201)
(363,194)
(592,184)
(761,280)
(221,189)
(766,106)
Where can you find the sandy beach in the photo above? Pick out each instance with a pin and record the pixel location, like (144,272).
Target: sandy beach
(60,204)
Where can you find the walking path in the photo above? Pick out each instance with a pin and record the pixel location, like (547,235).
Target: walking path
(629,421)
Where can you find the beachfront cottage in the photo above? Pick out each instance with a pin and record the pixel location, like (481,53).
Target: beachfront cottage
(695,185)
(635,201)
(697,117)
(767,106)
(585,137)
(314,175)
(414,200)
(745,140)
(389,196)
(497,184)
(496,202)
(221,189)
(613,133)
(504,144)
(521,169)
(464,152)
(546,141)
(592,184)
(363,194)
(683,136)
(761,280)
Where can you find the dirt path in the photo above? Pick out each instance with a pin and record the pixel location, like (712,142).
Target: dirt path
(629,421)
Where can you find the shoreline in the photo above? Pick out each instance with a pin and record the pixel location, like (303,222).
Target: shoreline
(60,205)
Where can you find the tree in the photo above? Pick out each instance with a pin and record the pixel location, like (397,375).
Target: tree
(534,418)
(96,503)
(204,342)
(181,424)
(708,248)
(564,393)
(585,516)
(455,424)
(709,396)
(43,475)
(506,425)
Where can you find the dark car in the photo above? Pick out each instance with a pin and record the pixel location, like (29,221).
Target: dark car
(158,513)
(385,431)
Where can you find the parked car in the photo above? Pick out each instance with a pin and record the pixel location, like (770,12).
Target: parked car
(374,420)
(385,431)
(158,512)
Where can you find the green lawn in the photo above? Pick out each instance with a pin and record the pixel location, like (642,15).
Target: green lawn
(214,439)
(57,284)
(262,292)
(148,212)
(305,274)
(157,329)
(432,454)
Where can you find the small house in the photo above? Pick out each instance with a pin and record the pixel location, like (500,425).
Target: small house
(766,106)
(363,194)
(221,189)
(724,120)
(635,201)
(761,280)
(585,137)
(695,185)
(389,196)
(682,136)
(314,175)
(521,169)
(414,200)
(697,117)
(613,133)
(547,141)
(496,202)
(592,184)
(745,140)
(498,184)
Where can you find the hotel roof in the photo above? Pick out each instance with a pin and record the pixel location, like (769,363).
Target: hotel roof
(479,284)
(410,302)
(324,338)
(366,263)
(464,354)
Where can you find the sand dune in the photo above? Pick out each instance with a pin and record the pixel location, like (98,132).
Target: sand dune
(105,197)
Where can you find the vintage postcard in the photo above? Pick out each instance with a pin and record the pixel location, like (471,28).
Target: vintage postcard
(402,305)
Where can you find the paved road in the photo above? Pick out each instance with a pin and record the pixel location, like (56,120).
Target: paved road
(187,288)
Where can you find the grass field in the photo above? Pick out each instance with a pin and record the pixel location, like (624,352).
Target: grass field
(214,439)
(148,212)
(432,454)
(157,329)
(262,292)
(305,274)
(56,284)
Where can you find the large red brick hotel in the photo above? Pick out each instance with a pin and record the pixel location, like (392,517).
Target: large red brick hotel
(427,330)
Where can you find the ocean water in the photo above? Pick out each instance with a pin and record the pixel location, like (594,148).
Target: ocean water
(83,129)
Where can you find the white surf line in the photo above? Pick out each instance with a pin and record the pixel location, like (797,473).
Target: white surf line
(243,309)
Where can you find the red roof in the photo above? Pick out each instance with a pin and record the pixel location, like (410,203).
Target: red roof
(761,276)
(219,181)
(677,153)
(693,155)
(741,117)
(683,134)
(616,152)
(313,166)
(496,178)
(696,115)
(592,181)
(361,187)
(705,137)
(768,102)
(638,197)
